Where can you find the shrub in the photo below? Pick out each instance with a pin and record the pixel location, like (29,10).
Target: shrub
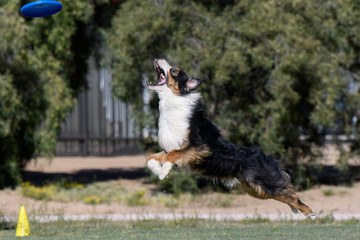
(136,198)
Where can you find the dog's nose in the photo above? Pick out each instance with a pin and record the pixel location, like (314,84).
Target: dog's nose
(159,58)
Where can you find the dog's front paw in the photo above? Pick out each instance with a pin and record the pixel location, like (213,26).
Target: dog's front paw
(165,170)
(154,166)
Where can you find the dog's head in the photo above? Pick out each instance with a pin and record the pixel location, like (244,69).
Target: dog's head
(174,79)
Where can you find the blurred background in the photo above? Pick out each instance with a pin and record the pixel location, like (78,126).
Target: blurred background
(282,75)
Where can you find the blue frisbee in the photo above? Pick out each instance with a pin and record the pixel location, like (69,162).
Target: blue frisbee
(41,8)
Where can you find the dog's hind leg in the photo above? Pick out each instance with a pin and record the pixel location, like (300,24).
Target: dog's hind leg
(254,191)
(295,204)
(287,196)
(293,209)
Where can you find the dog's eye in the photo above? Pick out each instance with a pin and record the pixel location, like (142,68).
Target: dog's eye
(174,72)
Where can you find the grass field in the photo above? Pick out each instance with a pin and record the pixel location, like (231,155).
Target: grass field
(188,229)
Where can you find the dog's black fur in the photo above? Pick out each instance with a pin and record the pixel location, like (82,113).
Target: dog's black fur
(229,160)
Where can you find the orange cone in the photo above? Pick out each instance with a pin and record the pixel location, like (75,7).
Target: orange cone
(23,228)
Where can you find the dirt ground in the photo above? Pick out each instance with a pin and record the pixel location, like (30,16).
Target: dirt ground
(130,169)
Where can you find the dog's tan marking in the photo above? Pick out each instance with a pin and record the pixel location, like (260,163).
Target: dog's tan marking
(254,190)
(182,157)
(188,155)
(173,85)
(160,157)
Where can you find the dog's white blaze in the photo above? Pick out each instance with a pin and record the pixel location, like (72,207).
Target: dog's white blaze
(175,112)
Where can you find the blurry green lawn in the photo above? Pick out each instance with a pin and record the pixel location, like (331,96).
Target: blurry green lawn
(189,229)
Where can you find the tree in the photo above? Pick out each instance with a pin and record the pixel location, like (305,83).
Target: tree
(42,63)
(277,74)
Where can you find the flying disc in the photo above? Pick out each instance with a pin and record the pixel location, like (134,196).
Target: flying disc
(41,8)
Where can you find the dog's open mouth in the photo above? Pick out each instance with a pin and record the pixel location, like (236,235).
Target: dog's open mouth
(161,76)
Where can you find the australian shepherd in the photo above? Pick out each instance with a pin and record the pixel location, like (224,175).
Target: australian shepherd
(189,139)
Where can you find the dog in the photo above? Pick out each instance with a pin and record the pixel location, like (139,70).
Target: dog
(189,139)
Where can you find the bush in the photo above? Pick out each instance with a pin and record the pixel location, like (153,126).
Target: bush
(49,191)
(136,198)
(42,68)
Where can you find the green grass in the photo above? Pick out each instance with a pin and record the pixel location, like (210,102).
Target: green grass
(187,229)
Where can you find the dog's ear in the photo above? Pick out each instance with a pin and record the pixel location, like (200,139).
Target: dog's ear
(192,84)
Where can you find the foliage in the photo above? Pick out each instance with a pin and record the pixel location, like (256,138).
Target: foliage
(279,75)
(42,67)
(98,193)
(50,191)
(136,198)
(67,191)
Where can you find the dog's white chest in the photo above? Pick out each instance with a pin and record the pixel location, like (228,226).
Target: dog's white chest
(172,131)
(174,121)
(173,128)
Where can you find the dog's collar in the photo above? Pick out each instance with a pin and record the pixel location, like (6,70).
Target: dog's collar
(165,151)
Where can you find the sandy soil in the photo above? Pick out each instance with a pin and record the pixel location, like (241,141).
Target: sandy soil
(343,200)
